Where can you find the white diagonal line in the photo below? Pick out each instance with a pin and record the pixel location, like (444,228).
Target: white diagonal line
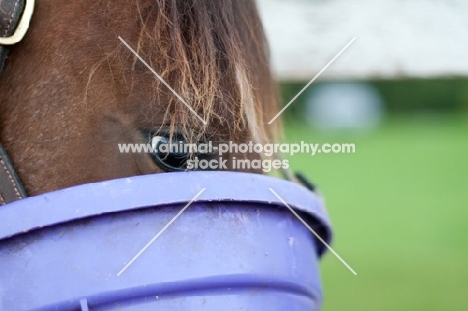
(314,233)
(160,232)
(162,80)
(308,84)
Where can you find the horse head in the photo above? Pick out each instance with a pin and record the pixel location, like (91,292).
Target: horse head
(71,91)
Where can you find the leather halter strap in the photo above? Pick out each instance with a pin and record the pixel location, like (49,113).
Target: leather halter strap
(15,16)
(11,188)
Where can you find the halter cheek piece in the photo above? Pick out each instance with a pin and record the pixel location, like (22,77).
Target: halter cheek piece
(15,16)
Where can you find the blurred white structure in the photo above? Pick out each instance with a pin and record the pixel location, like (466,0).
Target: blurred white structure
(344,106)
(394,38)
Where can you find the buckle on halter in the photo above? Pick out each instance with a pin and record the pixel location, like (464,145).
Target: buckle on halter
(22,27)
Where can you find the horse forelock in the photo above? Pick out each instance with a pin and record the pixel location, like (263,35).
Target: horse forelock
(213,54)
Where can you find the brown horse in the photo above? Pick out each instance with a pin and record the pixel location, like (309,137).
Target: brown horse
(70,92)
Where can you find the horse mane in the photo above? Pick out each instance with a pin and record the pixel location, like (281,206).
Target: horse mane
(215,56)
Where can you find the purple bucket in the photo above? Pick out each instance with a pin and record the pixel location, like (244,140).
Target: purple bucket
(237,247)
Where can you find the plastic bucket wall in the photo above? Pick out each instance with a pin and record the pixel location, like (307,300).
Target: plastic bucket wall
(236,248)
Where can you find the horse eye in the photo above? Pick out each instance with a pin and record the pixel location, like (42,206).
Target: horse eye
(169,154)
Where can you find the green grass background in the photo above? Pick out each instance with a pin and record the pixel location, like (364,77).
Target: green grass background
(399,208)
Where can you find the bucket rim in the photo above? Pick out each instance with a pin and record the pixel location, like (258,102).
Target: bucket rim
(175,188)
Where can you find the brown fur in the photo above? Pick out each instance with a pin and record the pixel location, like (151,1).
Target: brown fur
(71,91)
